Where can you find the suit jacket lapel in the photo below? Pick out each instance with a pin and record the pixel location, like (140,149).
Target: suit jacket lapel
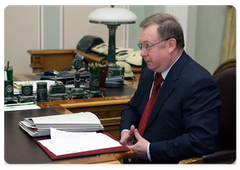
(167,87)
(165,91)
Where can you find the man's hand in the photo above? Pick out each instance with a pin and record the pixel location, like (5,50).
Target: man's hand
(127,136)
(140,148)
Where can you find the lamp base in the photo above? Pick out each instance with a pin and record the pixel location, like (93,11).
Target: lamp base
(115,71)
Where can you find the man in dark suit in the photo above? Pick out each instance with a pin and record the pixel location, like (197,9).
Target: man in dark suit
(184,120)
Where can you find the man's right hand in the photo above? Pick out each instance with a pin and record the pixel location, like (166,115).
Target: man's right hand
(127,136)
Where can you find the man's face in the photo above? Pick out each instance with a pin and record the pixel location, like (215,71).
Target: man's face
(157,57)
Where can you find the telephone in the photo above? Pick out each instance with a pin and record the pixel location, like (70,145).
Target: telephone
(127,69)
(123,54)
(120,50)
(100,48)
(87,42)
(135,58)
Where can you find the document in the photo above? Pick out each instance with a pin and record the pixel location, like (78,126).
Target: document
(62,143)
(20,106)
(77,122)
(85,118)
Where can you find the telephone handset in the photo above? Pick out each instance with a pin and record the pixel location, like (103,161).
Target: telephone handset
(123,54)
(127,69)
(120,50)
(100,48)
(87,42)
(135,58)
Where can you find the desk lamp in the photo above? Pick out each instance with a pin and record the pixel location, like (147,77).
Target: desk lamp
(112,17)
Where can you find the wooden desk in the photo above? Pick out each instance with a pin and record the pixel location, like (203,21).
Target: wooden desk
(108,109)
(20,148)
(42,60)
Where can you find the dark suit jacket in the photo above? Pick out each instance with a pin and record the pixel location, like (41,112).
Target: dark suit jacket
(185,118)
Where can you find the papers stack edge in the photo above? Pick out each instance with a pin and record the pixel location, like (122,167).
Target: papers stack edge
(76,122)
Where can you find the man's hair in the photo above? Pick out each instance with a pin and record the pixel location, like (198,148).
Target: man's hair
(169,27)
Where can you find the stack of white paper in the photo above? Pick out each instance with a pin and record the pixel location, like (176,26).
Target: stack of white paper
(62,143)
(77,122)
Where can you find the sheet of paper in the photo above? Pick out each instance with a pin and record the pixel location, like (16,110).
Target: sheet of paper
(77,118)
(62,142)
(21,107)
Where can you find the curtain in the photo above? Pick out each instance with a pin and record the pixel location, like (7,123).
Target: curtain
(229,42)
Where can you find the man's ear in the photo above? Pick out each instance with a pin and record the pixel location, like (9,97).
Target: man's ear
(172,44)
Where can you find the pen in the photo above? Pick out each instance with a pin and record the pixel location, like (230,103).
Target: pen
(7,70)
(94,69)
(21,104)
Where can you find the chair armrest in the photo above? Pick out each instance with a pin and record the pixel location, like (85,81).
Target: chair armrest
(194,160)
(219,157)
(223,156)
(121,155)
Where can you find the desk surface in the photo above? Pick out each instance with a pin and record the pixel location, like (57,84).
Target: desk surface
(111,95)
(20,148)
(34,76)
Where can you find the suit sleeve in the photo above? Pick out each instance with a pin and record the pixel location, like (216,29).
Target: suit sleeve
(200,112)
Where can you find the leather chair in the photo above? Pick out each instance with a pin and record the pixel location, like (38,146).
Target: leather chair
(225,77)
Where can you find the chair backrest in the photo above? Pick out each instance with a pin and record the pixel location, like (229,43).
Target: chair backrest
(225,77)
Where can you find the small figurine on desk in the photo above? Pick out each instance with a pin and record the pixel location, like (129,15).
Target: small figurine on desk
(57,90)
(26,93)
(77,65)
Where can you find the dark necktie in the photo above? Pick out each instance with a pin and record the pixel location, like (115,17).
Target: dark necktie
(148,109)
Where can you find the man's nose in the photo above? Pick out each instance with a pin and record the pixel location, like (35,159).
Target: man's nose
(143,53)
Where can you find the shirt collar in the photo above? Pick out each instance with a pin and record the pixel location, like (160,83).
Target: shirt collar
(165,73)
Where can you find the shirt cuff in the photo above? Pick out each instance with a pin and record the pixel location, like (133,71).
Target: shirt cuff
(148,153)
(123,131)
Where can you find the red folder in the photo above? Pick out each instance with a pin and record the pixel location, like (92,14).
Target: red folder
(122,148)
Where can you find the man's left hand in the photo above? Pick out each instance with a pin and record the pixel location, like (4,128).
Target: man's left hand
(140,148)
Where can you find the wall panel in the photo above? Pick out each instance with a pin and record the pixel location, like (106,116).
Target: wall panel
(77,25)
(20,34)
